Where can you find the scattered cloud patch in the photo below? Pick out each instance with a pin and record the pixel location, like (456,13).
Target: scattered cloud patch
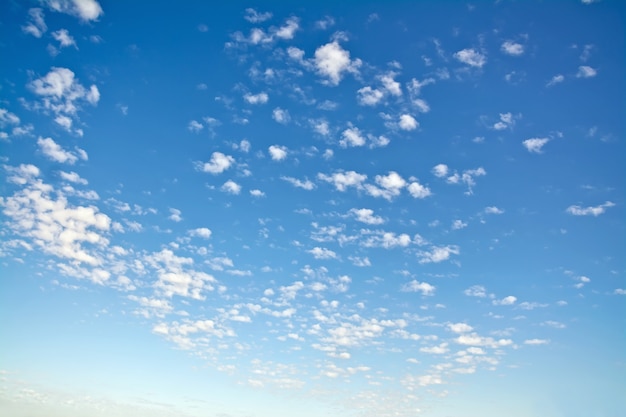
(535,145)
(471,57)
(595,211)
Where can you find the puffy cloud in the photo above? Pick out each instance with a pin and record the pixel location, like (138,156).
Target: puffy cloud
(85,10)
(253,16)
(289,29)
(391,85)
(366,216)
(389,186)
(202,232)
(438,254)
(306,184)
(343,180)
(619,291)
(281,115)
(322,253)
(471,57)
(589,211)
(458,224)
(436,350)
(278,153)
(417,190)
(64,38)
(73,177)
(257,193)
(260,98)
(195,126)
(585,71)
(440,170)
(506,120)
(512,48)
(476,291)
(387,240)
(352,137)
(493,210)
(231,187)
(36,25)
(367,96)
(175,215)
(460,327)
(506,301)
(218,163)
(422,287)
(332,61)
(534,145)
(54,152)
(408,122)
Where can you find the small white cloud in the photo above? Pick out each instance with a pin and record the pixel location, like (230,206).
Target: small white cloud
(534,145)
(438,254)
(36,25)
(325,23)
(332,61)
(322,253)
(278,153)
(231,187)
(367,96)
(175,215)
(506,301)
(476,291)
(555,80)
(536,342)
(422,287)
(281,115)
(195,126)
(73,177)
(218,163)
(585,71)
(391,85)
(407,122)
(306,184)
(257,193)
(366,216)
(440,170)
(471,57)
(343,180)
(352,137)
(589,211)
(619,291)
(458,224)
(202,232)
(85,10)
(512,48)
(253,16)
(289,29)
(245,145)
(493,210)
(417,190)
(54,152)
(460,328)
(260,98)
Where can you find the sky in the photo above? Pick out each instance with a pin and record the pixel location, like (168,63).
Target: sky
(269,209)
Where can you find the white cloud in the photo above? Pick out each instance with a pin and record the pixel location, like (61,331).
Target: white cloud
(257,193)
(493,210)
(195,126)
(64,38)
(36,25)
(407,122)
(8,118)
(332,61)
(175,215)
(244,145)
(440,170)
(281,115)
(73,177)
(260,98)
(325,23)
(289,29)
(555,80)
(343,180)
(476,291)
(322,253)
(352,137)
(585,71)
(534,145)
(471,57)
(202,232)
(391,85)
(54,152)
(306,184)
(231,187)
(512,48)
(85,10)
(366,216)
(438,254)
(218,163)
(460,327)
(507,120)
(422,287)
(536,342)
(278,153)
(619,291)
(589,211)
(436,350)
(253,16)
(506,301)
(367,96)
(417,190)
(458,224)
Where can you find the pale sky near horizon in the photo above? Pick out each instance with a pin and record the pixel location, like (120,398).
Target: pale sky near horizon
(267,209)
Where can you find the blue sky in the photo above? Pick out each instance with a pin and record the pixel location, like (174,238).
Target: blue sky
(269,209)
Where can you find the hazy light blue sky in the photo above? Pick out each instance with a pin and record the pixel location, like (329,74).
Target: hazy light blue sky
(270,209)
